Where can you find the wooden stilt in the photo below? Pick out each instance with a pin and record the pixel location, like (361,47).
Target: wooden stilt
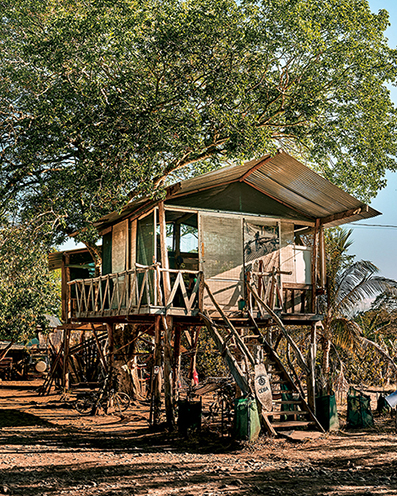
(66,346)
(193,360)
(168,393)
(155,403)
(110,360)
(177,363)
(311,378)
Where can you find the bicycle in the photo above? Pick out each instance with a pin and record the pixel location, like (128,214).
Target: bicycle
(104,399)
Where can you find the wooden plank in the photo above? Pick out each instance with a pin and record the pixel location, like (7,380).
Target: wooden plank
(164,251)
(171,294)
(194,294)
(144,282)
(239,341)
(344,215)
(101,356)
(227,356)
(279,323)
(292,423)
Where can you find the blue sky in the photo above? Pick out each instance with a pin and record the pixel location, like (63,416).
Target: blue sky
(376,244)
(379,245)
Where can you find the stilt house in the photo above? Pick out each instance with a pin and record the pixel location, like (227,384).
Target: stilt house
(236,249)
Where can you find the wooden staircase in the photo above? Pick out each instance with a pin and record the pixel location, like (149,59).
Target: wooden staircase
(289,410)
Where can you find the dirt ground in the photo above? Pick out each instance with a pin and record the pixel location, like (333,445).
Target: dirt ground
(47,448)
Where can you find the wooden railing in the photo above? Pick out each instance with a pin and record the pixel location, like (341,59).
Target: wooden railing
(286,297)
(136,291)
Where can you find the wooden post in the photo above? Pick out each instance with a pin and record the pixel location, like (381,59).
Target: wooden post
(194,336)
(201,291)
(66,346)
(164,253)
(168,393)
(323,269)
(110,364)
(64,292)
(314,266)
(177,362)
(100,353)
(155,404)
(310,377)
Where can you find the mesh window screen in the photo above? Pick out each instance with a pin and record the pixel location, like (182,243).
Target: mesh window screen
(261,243)
(222,240)
(145,251)
(145,240)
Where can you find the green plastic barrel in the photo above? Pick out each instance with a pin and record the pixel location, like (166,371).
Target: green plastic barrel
(327,413)
(247,425)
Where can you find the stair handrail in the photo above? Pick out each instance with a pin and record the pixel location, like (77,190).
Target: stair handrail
(280,324)
(239,341)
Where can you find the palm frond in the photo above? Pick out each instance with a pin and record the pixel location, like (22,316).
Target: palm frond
(346,333)
(356,284)
(380,351)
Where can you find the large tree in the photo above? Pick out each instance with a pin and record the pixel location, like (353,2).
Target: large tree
(99,98)
(29,293)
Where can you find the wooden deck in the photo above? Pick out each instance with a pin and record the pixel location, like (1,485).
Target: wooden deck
(139,293)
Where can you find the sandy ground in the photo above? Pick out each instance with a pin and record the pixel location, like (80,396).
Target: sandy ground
(47,448)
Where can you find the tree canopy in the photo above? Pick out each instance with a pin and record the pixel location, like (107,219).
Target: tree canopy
(28,291)
(102,98)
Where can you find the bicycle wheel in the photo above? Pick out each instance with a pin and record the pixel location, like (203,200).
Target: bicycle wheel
(85,406)
(122,401)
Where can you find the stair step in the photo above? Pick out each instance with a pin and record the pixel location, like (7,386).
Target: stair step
(277,394)
(280,381)
(277,413)
(287,402)
(291,423)
(275,371)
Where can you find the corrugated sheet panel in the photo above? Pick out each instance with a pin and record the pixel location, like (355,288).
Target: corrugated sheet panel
(221,176)
(281,177)
(288,180)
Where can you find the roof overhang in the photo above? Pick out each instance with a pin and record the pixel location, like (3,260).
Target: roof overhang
(280,177)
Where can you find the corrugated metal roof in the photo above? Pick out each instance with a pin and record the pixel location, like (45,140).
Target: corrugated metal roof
(280,177)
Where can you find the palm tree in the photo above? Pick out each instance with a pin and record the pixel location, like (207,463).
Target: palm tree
(349,285)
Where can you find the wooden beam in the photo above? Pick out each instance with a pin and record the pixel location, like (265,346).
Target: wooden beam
(314,265)
(239,341)
(164,252)
(280,325)
(168,392)
(155,404)
(231,362)
(256,167)
(344,215)
(100,353)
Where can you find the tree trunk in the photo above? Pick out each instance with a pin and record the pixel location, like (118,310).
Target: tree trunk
(96,255)
(326,347)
